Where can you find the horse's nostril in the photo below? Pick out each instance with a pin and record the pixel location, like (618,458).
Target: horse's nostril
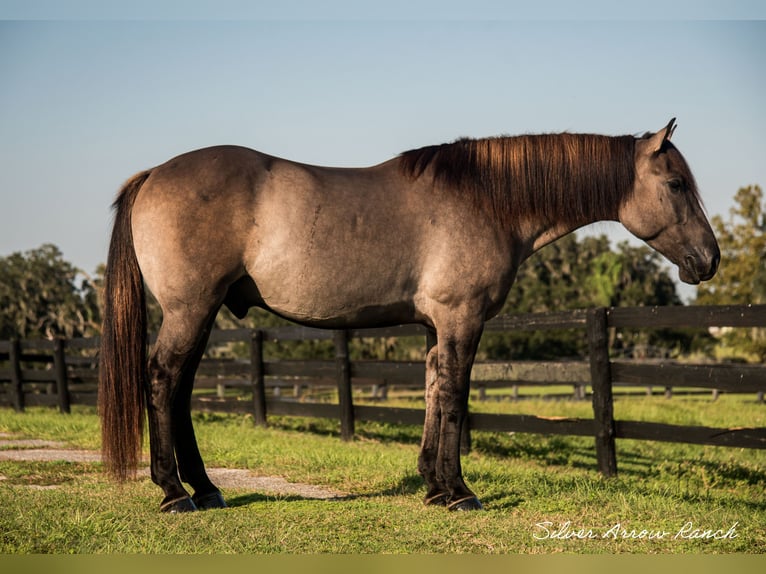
(716,261)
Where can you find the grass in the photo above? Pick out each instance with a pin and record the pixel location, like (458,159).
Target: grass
(542,494)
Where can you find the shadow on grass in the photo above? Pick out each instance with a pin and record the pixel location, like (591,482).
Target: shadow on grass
(571,452)
(410,486)
(501,501)
(407,486)
(256,497)
(733,471)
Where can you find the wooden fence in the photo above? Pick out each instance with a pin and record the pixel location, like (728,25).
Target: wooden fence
(60,373)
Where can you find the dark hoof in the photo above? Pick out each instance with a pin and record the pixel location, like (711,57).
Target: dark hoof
(436,500)
(184,504)
(470,503)
(210,500)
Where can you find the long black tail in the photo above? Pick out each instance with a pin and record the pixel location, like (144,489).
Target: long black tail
(122,362)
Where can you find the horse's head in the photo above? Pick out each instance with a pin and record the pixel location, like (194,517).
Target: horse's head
(664,208)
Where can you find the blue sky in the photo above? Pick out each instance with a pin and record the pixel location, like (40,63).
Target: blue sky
(89,98)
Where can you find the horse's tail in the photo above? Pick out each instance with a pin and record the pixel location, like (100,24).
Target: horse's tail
(122,360)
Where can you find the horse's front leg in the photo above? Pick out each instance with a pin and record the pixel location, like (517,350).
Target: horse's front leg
(446,412)
(436,492)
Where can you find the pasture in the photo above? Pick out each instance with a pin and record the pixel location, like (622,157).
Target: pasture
(543,494)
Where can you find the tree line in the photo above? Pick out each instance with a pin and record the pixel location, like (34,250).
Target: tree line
(42,296)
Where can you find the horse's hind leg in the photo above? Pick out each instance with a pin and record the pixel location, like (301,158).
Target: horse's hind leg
(179,345)
(190,465)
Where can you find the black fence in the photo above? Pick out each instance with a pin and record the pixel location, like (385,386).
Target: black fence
(64,372)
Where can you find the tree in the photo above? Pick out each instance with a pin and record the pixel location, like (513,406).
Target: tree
(41,295)
(602,283)
(741,278)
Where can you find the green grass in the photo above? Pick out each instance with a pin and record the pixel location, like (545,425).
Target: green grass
(531,486)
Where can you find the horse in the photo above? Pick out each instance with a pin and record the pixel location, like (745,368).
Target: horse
(433,236)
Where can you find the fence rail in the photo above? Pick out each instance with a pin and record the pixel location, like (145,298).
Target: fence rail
(64,372)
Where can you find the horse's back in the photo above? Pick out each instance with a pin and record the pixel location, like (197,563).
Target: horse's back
(313,240)
(323,246)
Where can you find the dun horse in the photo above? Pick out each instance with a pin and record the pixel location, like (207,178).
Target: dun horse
(433,236)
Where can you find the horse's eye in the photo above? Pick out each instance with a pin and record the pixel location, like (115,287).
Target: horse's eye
(675,184)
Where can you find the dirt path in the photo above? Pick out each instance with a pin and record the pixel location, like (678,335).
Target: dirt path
(43,450)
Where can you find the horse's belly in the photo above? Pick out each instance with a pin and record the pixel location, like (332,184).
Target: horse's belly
(331,268)
(348,318)
(324,297)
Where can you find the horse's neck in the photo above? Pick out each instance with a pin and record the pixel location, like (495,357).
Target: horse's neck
(537,235)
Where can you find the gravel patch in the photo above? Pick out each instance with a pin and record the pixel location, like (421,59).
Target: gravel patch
(40,450)
(244,479)
(42,454)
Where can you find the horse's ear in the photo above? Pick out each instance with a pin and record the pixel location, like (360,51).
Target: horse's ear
(670,129)
(657,140)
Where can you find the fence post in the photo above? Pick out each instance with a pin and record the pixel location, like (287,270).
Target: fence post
(601,381)
(257,377)
(59,366)
(345,400)
(14,357)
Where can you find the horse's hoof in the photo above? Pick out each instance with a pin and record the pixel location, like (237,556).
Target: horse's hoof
(209,501)
(185,504)
(470,503)
(436,500)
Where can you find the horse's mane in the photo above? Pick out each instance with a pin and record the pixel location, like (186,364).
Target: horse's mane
(565,177)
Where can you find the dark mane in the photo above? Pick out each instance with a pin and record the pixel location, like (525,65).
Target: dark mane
(565,177)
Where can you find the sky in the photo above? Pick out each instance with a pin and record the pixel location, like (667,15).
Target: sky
(92,94)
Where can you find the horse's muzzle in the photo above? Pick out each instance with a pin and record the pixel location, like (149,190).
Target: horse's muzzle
(699,267)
